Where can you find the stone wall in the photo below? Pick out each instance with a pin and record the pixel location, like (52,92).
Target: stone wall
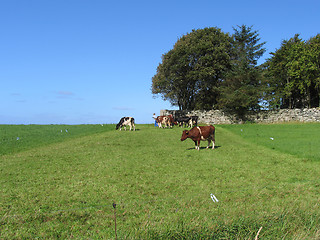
(275,116)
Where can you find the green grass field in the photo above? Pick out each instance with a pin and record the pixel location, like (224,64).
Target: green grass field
(301,139)
(62,184)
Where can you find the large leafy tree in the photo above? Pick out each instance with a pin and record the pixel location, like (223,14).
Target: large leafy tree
(293,74)
(189,74)
(242,89)
(281,89)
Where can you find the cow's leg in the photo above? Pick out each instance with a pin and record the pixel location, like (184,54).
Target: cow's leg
(209,140)
(213,140)
(198,145)
(125,127)
(130,127)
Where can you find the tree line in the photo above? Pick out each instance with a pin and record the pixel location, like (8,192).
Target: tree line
(209,69)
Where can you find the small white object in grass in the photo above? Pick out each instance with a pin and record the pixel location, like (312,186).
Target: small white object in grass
(272,138)
(66,130)
(18,138)
(241,130)
(213,197)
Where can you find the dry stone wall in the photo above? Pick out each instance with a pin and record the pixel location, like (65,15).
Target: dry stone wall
(275,116)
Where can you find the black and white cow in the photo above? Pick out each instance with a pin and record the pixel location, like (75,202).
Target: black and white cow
(183,121)
(187,121)
(126,121)
(193,121)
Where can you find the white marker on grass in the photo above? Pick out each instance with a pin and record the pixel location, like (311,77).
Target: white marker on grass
(213,197)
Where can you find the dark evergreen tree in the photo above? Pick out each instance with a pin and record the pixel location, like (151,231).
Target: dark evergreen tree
(242,89)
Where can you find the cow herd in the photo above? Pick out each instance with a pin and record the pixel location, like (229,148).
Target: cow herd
(196,134)
(169,121)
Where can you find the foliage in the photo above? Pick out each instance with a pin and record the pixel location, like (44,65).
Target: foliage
(161,186)
(208,69)
(190,73)
(242,88)
(293,74)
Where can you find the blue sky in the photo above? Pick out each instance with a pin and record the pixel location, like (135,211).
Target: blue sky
(91,61)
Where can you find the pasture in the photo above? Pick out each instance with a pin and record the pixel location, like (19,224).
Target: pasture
(62,184)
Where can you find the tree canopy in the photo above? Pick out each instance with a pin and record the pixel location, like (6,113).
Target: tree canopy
(293,74)
(210,69)
(241,89)
(190,73)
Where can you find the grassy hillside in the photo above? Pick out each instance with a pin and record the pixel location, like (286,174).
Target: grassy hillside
(16,138)
(161,186)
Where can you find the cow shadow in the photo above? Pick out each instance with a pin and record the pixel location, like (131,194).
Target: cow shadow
(137,129)
(210,148)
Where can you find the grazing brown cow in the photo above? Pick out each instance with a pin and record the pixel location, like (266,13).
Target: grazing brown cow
(200,133)
(165,120)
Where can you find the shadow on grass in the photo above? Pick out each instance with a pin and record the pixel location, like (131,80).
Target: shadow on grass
(210,148)
(137,129)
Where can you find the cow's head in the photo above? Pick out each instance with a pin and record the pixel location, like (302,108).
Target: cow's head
(185,135)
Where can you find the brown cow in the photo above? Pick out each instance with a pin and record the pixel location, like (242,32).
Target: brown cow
(200,133)
(165,120)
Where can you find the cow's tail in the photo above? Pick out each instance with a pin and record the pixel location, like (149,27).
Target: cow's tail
(214,132)
(214,137)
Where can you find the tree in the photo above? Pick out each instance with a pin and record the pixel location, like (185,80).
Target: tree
(189,74)
(314,70)
(242,90)
(282,75)
(293,74)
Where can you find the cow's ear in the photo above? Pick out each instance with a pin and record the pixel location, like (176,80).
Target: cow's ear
(187,132)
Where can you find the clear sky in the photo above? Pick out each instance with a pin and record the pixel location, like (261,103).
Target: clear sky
(91,61)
